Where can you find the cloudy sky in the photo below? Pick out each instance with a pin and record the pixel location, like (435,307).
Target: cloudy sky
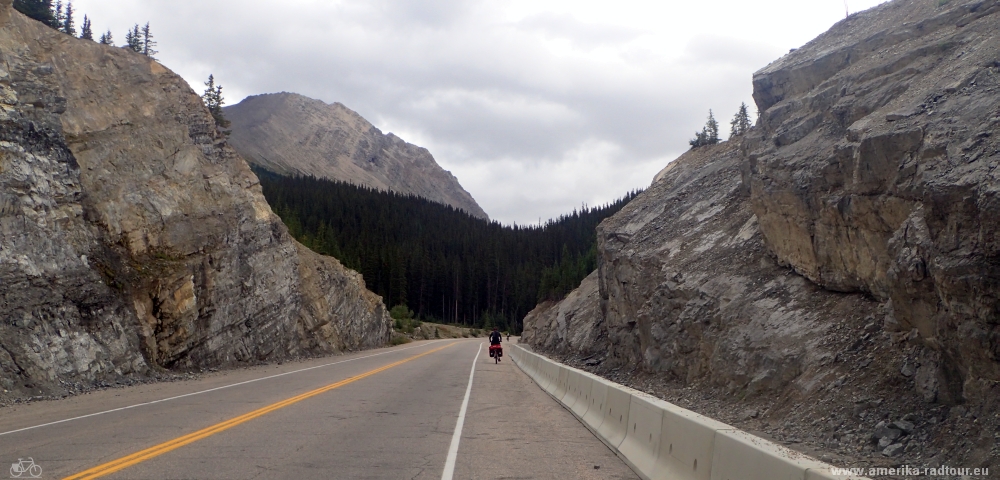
(537,106)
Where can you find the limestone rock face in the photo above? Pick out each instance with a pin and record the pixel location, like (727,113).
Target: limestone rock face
(872,173)
(132,237)
(839,262)
(570,325)
(687,290)
(873,169)
(291,134)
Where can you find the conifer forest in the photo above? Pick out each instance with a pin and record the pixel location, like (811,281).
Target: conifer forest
(442,263)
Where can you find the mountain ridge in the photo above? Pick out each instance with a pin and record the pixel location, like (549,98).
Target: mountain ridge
(291,134)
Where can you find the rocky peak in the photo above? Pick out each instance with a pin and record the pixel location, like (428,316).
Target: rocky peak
(292,134)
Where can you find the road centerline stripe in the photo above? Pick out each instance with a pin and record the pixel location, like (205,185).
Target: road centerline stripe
(456,438)
(161,400)
(157,450)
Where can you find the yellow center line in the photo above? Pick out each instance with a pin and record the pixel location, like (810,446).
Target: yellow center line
(155,451)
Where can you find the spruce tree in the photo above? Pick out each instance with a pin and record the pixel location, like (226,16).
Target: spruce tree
(67,21)
(712,127)
(148,43)
(40,10)
(107,38)
(133,39)
(57,14)
(709,134)
(85,32)
(214,100)
(741,122)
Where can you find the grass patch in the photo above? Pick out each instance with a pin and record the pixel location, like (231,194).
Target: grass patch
(398,339)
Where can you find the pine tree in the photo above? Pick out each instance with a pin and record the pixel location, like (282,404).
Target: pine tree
(40,10)
(107,38)
(713,129)
(57,14)
(709,134)
(67,22)
(148,43)
(214,100)
(85,32)
(741,122)
(133,39)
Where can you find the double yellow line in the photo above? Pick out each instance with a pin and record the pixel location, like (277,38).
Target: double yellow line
(155,451)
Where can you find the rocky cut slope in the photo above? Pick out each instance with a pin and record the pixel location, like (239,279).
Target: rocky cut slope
(835,271)
(291,134)
(133,238)
(874,169)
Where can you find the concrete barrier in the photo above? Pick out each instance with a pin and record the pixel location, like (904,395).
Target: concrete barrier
(616,406)
(739,455)
(598,399)
(551,376)
(543,378)
(521,358)
(687,442)
(660,440)
(532,362)
(579,389)
(641,445)
(562,383)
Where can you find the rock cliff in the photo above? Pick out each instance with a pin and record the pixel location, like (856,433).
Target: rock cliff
(291,134)
(572,325)
(133,238)
(873,170)
(835,267)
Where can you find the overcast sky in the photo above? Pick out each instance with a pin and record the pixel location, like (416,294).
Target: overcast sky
(537,106)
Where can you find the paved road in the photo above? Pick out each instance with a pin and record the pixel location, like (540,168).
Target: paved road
(388,413)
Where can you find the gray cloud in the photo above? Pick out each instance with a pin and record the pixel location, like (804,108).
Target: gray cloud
(536,110)
(583,34)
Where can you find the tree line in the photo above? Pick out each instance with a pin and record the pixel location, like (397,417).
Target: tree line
(442,263)
(61,17)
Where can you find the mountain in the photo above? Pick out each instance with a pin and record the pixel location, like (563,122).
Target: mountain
(834,268)
(291,134)
(134,239)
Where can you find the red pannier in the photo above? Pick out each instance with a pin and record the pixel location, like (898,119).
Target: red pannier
(496,350)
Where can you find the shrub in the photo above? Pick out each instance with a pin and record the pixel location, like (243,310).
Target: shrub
(401,312)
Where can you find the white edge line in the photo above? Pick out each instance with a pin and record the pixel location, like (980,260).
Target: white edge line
(449,465)
(212,389)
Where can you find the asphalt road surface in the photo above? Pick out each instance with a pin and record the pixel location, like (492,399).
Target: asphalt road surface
(386,413)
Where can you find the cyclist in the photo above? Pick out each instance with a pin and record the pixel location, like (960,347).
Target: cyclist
(495,337)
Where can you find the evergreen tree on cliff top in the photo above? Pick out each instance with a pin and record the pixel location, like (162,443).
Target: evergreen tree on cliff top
(40,10)
(214,100)
(68,26)
(57,13)
(133,39)
(741,122)
(709,134)
(107,38)
(148,43)
(86,32)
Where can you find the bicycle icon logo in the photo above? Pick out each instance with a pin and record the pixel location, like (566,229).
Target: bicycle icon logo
(25,466)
